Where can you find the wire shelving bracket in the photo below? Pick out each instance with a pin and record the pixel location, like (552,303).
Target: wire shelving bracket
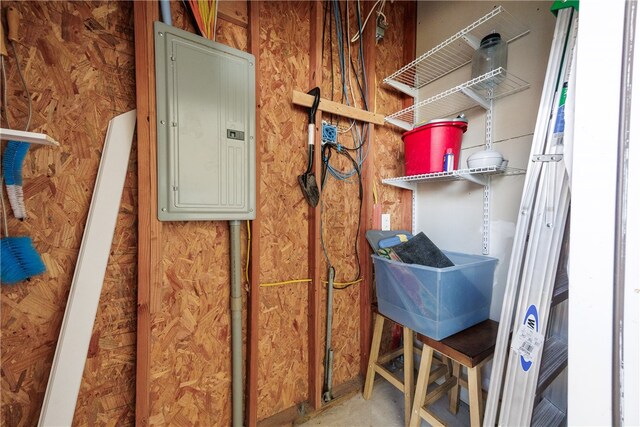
(450,55)
(476,175)
(480,91)
(454,52)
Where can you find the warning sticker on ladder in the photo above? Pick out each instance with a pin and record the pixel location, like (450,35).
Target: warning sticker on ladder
(528,341)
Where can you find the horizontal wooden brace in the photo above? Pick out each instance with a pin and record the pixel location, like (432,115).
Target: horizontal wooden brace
(301,98)
(389,376)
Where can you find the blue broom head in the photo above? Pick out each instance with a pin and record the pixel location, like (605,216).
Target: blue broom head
(20,260)
(12,161)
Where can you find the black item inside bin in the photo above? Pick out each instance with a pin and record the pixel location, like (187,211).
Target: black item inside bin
(374,237)
(422,251)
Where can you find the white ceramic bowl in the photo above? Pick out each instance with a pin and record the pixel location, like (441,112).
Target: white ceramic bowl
(484,159)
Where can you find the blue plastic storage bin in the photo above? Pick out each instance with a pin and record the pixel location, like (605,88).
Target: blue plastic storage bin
(436,302)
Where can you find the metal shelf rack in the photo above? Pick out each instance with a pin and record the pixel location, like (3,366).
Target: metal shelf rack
(479,91)
(448,56)
(477,175)
(454,52)
(30,137)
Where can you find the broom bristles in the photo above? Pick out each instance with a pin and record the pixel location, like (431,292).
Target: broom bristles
(20,260)
(12,162)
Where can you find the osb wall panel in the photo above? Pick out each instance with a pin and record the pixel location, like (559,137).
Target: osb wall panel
(190,377)
(78,62)
(340,215)
(283,326)
(389,149)
(340,212)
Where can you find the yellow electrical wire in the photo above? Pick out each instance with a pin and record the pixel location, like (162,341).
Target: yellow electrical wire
(343,285)
(203,6)
(205,12)
(337,285)
(286,282)
(375,193)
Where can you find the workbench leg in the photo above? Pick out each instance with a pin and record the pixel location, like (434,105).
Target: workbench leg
(454,393)
(408,373)
(475,395)
(421,385)
(373,356)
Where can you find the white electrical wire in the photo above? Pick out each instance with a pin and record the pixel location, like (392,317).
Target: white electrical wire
(349,64)
(343,130)
(357,36)
(4,91)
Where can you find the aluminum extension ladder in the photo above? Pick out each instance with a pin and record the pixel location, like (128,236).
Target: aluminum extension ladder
(531,348)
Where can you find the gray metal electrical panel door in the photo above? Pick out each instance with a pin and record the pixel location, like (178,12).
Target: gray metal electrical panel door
(206,128)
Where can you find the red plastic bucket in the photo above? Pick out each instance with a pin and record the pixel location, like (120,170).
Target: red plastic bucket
(425,146)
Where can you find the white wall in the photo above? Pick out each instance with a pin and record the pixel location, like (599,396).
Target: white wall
(450,213)
(591,274)
(632,279)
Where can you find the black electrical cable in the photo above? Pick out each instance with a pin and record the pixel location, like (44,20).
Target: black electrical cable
(330,8)
(365,129)
(340,32)
(364,75)
(362,90)
(337,13)
(326,156)
(360,193)
(192,17)
(324,27)
(356,168)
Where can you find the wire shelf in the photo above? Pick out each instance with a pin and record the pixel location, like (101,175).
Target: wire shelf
(30,137)
(477,175)
(494,85)
(455,52)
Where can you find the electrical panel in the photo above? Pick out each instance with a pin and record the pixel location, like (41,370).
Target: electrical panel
(206,128)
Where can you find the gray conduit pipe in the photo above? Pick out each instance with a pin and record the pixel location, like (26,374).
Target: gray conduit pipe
(327,392)
(165,10)
(236,324)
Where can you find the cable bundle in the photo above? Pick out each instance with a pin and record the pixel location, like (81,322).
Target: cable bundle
(205,13)
(359,133)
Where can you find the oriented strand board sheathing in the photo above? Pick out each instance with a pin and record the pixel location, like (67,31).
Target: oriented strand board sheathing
(339,229)
(78,62)
(234,11)
(190,372)
(283,347)
(340,219)
(389,147)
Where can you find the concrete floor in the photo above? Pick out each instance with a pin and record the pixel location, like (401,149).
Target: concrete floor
(384,409)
